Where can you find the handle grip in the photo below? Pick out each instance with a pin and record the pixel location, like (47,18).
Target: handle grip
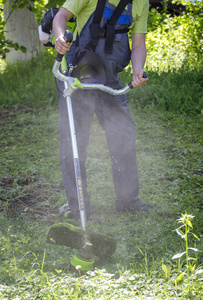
(144,76)
(59,57)
(68,36)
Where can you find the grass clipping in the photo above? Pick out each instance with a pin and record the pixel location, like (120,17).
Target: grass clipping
(65,234)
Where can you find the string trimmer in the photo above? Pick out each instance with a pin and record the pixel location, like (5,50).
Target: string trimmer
(88,244)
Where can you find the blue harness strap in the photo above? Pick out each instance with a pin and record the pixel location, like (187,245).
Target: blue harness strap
(105,33)
(112,18)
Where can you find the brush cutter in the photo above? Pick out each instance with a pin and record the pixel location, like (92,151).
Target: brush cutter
(88,244)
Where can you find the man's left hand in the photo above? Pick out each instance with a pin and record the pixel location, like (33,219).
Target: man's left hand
(138,79)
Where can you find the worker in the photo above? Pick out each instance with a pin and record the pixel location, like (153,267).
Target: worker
(111,45)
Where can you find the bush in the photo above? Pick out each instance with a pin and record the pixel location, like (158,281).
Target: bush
(175,42)
(174,62)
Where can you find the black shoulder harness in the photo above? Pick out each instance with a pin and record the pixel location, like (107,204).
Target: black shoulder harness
(109,31)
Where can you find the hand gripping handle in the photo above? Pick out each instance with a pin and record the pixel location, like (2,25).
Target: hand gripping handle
(68,36)
(144,76)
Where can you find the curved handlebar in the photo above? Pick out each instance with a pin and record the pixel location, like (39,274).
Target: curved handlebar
(71,82)
(72,86)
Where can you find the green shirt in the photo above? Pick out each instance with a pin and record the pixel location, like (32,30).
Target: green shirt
(82,9)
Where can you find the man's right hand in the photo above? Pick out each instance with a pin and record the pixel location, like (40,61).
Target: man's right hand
(59,27)
(61,45)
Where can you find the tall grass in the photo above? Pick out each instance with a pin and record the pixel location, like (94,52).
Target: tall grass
(177,92)
(32,83)
(28,83)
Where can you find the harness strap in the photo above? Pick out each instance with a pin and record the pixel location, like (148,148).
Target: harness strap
(102,32)
(118,11)
(109,31)
(95,26)
(110,28)
(79,52)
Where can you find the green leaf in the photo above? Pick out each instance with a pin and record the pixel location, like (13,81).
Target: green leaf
(189,223)
(180,277)
(166,270)
(16,46)
(14,7)
(21,5)
(195,236)
(23,49)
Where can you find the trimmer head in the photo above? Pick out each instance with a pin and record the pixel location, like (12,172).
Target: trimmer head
(86,265)
(65,234)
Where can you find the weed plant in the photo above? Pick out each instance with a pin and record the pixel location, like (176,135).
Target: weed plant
(186,221)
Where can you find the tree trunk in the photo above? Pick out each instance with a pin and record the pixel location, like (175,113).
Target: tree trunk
(22,28)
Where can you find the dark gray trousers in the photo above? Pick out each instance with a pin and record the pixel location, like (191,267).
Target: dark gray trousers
(114,116)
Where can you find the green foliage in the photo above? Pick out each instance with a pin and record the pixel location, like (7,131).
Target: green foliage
(175,42)
(54,3)
(35,83)
(36,7)
(178,92)
(186,220)
(25,272)
(169,162)
(169,147)
(174,63)
(20,4)
(2,34)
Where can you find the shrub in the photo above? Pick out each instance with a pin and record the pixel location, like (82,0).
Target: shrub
(175,42)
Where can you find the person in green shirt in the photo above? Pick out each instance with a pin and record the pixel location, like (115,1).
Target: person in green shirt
(82,9)
(112,111)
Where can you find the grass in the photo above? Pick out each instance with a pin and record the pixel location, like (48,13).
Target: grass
(169,147)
